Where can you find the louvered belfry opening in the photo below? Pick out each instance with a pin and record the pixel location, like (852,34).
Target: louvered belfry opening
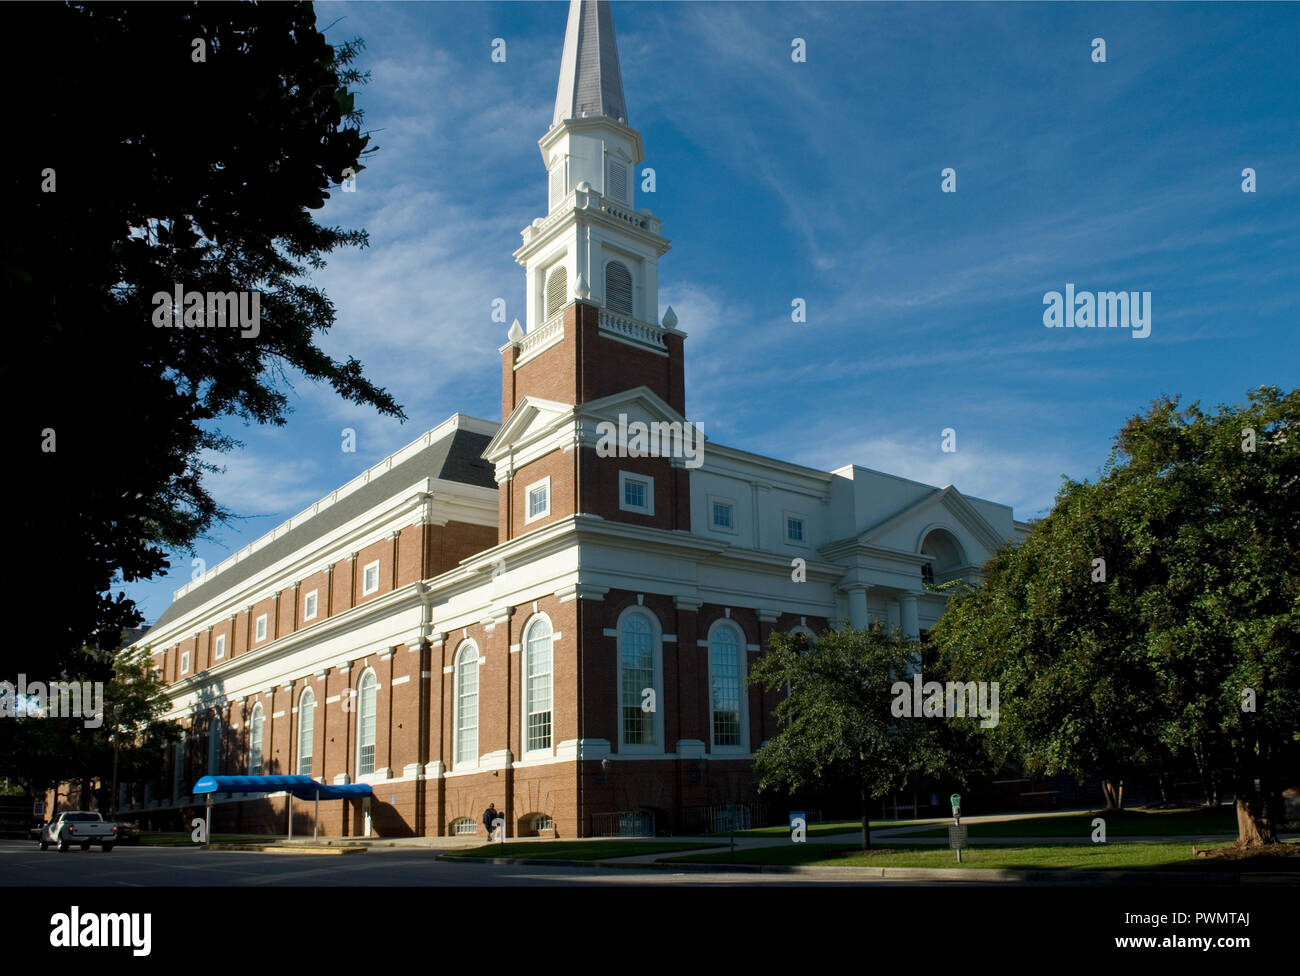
(557,290)
(618,288)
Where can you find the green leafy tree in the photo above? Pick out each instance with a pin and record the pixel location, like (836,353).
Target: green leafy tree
(43,752)
(1061,635)
(836,724)
(1193,641)
(143,166)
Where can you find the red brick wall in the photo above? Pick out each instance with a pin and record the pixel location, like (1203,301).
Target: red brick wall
(587,365)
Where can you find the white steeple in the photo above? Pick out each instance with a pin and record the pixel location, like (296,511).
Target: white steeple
(593,244)
(590,82)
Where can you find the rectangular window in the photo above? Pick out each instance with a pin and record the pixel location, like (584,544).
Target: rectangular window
(724,515)
(794,529)
(636,493)
(261,627)
(370,578)
(539,500)
(309,606)
(220,650)
(185,662)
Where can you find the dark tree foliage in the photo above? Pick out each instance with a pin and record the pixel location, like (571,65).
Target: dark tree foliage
(836,725)
(166,170)
(1191,644)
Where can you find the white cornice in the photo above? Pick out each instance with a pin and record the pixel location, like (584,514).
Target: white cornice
(453,423)
(434,500)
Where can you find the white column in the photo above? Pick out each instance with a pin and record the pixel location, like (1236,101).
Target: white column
(908,621)
(857,607)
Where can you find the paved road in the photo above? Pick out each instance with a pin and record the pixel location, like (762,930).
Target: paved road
(24,864)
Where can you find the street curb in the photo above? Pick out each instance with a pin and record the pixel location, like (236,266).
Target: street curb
(280,849)
(916,874)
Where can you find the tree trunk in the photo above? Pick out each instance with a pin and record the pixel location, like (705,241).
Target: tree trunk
(1113,790)
(1255,825)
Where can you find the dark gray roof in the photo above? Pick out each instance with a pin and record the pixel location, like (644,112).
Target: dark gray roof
(590,80)
(455,457)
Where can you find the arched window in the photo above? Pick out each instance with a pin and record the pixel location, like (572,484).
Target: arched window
(255,741)
(638,672)
(538,653)
(466,748)
(366,724)
(214,746)
(726,647)
(618,288)
(306,730)
(557,290)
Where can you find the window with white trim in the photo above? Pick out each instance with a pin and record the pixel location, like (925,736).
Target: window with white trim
(466,692)
(309,606)
(255,741)
(538,496)
(618,288)
(306,730)
(636,493)
(370,578)
(219,647)
(366,724)
(638,671)
(260,627)
(464,825)
(185,662)
(557,290)
(726,645)
(539,656)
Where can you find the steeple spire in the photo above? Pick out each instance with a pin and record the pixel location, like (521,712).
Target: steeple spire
(590,81)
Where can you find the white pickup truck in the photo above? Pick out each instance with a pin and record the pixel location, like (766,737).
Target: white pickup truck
(79,827)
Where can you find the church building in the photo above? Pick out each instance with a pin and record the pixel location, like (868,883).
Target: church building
(513,613)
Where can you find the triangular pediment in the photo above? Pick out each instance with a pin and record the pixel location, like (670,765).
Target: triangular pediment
(640,403)
(532,418)
(942,508)
(905,530)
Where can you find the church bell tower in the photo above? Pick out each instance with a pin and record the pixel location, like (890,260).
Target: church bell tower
(593,349)
(594,249)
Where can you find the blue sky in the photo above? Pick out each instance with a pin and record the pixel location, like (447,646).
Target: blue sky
(821,180)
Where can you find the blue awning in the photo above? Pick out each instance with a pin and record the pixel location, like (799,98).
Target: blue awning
(303,787)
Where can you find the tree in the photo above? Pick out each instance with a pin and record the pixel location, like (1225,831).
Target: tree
(1061,635)
(41,752)
(1193,641)
(836,722)
(163,146)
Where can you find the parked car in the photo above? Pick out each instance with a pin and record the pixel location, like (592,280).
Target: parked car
(79,827)
(128,832)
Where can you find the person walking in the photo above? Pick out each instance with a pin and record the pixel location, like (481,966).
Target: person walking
(489,815)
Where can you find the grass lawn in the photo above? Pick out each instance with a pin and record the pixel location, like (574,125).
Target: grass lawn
(1141,822)
(824,829)
(1163,857)
(584,850)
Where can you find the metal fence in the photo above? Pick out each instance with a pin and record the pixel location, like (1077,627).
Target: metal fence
(623,823)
